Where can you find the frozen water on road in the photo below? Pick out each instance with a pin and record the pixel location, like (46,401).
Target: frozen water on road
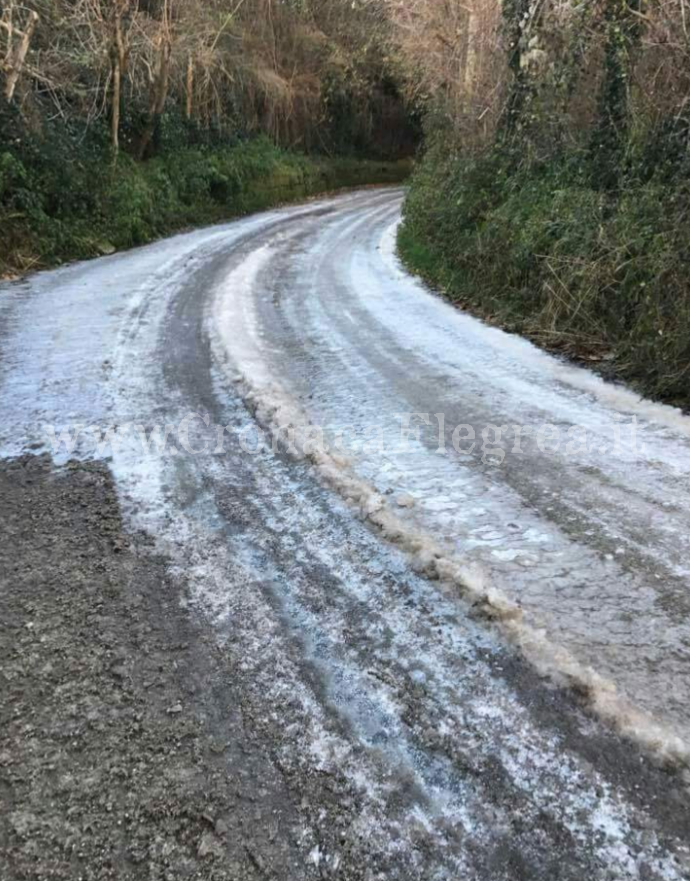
(592,539)
(458,760)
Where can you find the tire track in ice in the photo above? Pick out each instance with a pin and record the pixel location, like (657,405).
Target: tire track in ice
(238,342)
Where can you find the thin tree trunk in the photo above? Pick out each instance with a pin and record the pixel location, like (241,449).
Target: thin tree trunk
(190,86)
(115,109)
(119,63)
(471,53)
(159,95)
(160,86)
(17,54)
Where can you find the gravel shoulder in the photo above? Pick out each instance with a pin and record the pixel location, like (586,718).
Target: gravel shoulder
(123,750)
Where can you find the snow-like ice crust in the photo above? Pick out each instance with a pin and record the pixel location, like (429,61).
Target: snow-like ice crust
(85,344)
(239,346)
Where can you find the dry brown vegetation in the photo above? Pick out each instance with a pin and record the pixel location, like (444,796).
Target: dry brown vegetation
(464,59)
(292,69)
(452,55)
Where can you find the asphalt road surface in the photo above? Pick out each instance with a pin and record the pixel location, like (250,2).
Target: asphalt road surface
(449,572)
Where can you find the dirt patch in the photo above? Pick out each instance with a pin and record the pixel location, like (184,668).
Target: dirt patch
(123,751)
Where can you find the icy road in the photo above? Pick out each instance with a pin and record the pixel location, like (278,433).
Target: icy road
(453,571)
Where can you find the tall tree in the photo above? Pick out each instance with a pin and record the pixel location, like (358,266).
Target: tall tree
(624,23)
(119,53)
(18,44)
(160,77)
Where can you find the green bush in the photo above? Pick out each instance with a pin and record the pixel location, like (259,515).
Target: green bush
(544,252)
(57,206)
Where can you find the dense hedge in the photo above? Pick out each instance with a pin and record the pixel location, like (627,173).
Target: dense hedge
(62,199)
(545,251)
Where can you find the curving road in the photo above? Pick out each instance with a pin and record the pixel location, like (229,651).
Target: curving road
(451,570)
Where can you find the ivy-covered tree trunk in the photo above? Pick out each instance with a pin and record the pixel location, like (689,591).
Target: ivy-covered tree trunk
(524,117)
(516,14)
(624,25)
